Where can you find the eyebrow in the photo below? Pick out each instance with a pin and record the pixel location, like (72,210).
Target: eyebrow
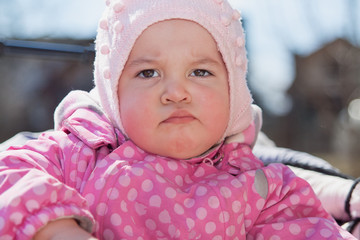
(141,61)
(146,60)
(206,60)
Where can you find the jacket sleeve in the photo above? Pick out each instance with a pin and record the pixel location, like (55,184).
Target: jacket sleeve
(291,210)
(41,181)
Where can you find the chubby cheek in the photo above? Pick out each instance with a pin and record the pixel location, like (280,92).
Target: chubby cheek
(135,117)
(216,111)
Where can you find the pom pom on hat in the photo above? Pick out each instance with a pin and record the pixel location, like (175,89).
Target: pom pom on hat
(124,20)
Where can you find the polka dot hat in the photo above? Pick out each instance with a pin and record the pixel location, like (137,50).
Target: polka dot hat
(124,20)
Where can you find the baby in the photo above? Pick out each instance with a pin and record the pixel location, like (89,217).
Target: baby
(161,148)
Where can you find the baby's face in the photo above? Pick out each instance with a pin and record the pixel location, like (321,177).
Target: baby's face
(173,92)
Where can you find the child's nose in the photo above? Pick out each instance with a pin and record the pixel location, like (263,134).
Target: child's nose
(175,91)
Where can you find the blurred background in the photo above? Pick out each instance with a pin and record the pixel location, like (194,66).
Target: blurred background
(304,68)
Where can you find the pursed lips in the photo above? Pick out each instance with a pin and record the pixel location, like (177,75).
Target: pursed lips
(179,117)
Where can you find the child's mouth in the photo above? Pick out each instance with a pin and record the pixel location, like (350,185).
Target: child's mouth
(180,117)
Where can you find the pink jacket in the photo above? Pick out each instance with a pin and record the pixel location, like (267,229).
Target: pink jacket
(88,171)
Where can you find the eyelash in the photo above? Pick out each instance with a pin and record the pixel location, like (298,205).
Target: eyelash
(141,74)
(206,72)
(152,72)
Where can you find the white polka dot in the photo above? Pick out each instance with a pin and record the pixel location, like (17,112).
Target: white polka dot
(260,204)
(15,202)
(159,168)
(53,197)
(201,191)
(90,198)
(140,209)
(39,190)
(179,181)
(2,223)
(74,158)
(236,206)
(149,158)
(213,183)
(230,231)
(289,212)
(311,202)
(224,217)
(326,233)
(87,152)
(124,180)
(277,226)
(113,193)
(82,165)
(223,177)
(100,183)
(178,209)
(155,201)
(201,213)
(150,224)
(137,171)
(294,199)
(147,185)
(115,219)
(189,202)
(29,230)
(217,237)
(173,231)
(214,202)
(275,237)
(128,230)
(188,179)
(123,206)
(247,209)
(259,236)
(210,227)
(236,183)
(160,179)
(282,207)
(101,209)
(44,218)
(59,211)
(132,194)
(172,165)
(108,234)
(129,152)
(225,192)
(114,156)
(190,223)
(199,172)
(310,232)
(307,211)
(164,217)
(170,192)
(32,205)
(305,191)
(313,220)
(295,229)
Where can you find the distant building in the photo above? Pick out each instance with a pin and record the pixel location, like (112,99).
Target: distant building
(325,84)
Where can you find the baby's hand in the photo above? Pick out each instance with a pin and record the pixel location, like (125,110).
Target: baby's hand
(63,229)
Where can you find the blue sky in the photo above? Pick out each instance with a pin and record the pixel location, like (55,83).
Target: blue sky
(275,30)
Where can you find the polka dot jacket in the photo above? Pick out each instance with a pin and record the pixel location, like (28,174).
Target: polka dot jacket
(90,172)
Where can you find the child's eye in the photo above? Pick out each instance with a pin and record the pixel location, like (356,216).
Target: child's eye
(200,73)
(148,73)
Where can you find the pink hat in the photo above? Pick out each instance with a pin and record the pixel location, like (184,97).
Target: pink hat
(124,20)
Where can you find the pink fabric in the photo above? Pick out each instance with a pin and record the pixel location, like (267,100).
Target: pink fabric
(129,194)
